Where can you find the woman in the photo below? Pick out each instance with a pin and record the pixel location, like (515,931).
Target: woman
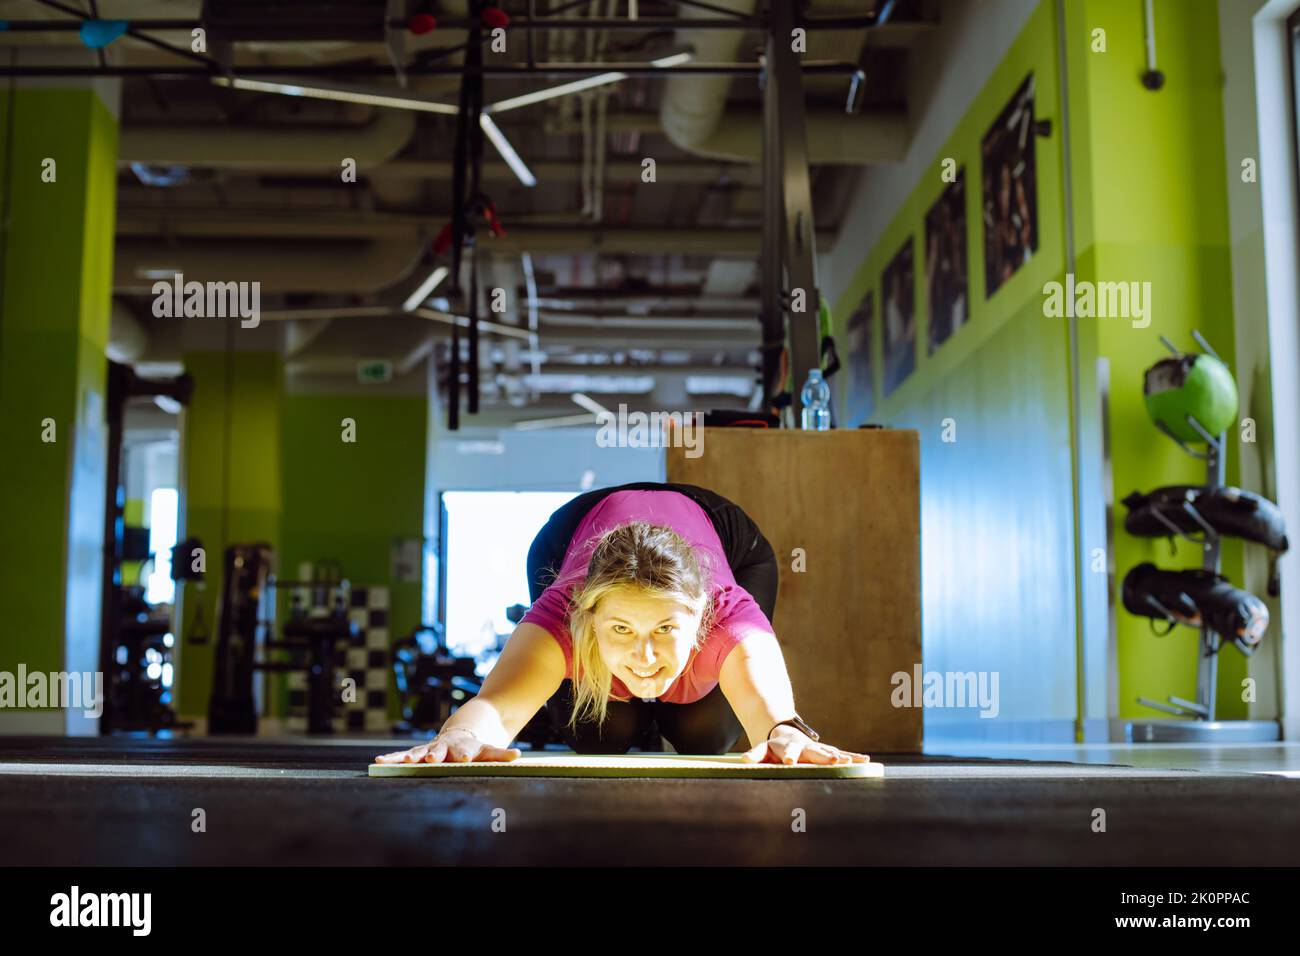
(651,608)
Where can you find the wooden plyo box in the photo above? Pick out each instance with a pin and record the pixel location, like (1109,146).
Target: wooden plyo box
(851,619)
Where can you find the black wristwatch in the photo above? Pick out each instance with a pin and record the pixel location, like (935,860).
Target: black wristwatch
(797,723)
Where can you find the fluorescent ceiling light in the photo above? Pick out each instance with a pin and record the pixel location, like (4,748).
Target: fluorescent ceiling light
(375,97)
(416,298)
(498,138)
(481,447)
(463,322)
(577,86)
(674,59)
(343,94)
(507,151)
(741,386)
(612,384)
(590,404)
(379,97)
(536,423)
(553,92)
(167,404)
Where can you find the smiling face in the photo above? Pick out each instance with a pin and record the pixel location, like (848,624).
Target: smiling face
(643,606)
(645,639)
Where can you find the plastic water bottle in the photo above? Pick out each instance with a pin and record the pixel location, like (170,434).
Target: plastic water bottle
(816,399)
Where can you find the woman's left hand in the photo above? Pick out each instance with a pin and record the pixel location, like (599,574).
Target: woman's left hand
(789,745)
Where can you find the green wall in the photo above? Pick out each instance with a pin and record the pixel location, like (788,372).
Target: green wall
(1151,205)
(1002,583)
(55,293)
(1000,379)
(231,466)
(285,476)
(351,501)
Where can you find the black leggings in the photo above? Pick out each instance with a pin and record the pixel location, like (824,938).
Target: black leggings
(708,726)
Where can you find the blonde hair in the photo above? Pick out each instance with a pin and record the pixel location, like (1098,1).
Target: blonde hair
(636,556)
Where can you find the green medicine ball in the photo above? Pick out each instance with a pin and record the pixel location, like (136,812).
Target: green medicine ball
(1197,385)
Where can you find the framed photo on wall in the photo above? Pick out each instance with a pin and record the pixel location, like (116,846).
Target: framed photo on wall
(946,280)
(898,311)
(861,329)
(1010,190)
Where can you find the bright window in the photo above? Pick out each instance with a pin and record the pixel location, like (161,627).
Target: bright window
(487,535)
(163,506)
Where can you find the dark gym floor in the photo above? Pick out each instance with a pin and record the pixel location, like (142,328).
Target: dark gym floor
(130,802)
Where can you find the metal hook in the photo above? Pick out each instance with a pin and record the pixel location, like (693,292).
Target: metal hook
(1168,614)
(1181,444)
(1196,516)
(1201,430)
(1200,340)
(1174,529)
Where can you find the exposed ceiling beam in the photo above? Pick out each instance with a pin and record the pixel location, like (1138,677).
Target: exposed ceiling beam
(174,224)
(689,324)
(741,175)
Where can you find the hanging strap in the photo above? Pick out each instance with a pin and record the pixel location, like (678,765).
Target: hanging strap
(468,156)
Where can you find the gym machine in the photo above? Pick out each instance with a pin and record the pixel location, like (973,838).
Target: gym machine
(246,637)
(142,645)
(431,681)
(313,641)
(133,635)
(244,617)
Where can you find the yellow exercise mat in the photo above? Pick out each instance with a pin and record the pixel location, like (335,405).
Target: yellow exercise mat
(721,767)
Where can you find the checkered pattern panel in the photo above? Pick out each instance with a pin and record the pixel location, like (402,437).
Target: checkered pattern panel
(365,660)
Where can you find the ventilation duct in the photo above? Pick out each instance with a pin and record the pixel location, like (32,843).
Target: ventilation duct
(323,267)
(127,338)
(254,148)
(694,114)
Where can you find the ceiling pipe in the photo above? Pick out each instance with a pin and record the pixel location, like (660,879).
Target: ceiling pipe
(559,320)
(127,338)
(692,106)
(263,148)
(695,117)
(668,170)
(154,228)
(646,299)
(322,267)
(834,137)
(437,169)
(300,333)
(550,381)
(738,340)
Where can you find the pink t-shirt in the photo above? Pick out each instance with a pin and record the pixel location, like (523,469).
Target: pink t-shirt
(735,613)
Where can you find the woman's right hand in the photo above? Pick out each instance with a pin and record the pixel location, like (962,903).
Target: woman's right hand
(456,745)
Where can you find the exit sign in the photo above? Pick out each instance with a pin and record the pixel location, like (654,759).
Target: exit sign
(378,370)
